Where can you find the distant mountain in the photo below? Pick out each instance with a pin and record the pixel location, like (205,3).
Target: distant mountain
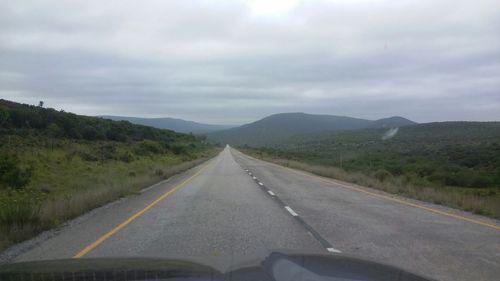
(391,122)
(178,125)
(278,127)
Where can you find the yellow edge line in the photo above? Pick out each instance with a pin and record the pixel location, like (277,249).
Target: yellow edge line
(384,196)
(136,215)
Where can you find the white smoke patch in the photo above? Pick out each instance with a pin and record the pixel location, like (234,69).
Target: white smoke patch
(390,134)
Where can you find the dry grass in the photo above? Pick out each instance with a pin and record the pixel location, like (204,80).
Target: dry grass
(478,201)
(23,218)
(63,208)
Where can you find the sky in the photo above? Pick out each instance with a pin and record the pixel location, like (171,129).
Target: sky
(233,62)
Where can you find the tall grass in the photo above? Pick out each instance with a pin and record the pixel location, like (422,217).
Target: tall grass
(480,201)
(68,188)
(62,208)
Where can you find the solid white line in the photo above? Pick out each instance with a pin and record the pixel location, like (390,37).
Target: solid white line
(154,185)
(261,184)
(270,192)
(333,250)
(254,178)
(292,212)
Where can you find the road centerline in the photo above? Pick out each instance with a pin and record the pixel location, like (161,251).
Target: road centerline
(291,211)
(327,245)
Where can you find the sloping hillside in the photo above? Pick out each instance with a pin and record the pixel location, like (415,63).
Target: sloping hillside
(178,125)
(463,154)
(276,128)
(56,165)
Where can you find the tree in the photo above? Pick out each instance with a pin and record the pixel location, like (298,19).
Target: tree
(4,116)
(40,104)
(54,132)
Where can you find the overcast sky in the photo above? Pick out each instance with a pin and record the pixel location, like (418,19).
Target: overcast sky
(232,62)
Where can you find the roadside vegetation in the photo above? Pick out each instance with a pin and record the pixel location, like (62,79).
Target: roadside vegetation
(456,164)
(55,165)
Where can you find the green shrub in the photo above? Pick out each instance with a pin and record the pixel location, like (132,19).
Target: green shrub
(107,151)
(148,147)
(20,207)
(179,149)
(382,175)
(4,115)
(126,157)
(468,178)
(395,169)
(159,172)
(86,156)
(11,175)
(424,170)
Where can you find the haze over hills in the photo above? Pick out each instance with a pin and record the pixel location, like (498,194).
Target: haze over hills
(174,124)
(278,127)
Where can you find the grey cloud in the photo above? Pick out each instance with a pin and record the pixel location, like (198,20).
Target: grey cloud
(213,61)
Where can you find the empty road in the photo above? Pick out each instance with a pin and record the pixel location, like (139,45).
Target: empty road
(236,206)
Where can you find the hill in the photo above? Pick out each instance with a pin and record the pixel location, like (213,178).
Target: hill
(16,118)
(276,128)
(463,154)
(178,125)
(56,165)
(391,122)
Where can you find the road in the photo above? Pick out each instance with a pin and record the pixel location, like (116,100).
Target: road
(236,206)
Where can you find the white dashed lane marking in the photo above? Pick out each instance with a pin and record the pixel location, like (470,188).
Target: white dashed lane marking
(333,250)
(325,243)
(291,211)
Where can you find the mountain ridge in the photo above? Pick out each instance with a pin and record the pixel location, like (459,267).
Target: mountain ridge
(174,124)
(277,127)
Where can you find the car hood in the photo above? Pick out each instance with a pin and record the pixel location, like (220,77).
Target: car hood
(277,265)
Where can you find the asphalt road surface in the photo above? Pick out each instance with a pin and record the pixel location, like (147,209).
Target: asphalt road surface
(238,207)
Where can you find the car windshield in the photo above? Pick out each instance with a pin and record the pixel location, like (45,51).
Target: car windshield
(229,133)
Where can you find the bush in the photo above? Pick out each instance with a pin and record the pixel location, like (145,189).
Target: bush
(395,169)
(115,134)
(4,115)
(107,151)
(20,207)
(480,181)
(424,171)
(86,156)
(148,147)
(159,172)
(467,178)
(126,157)
(382,175)
(11,175)
(179,149)
(89,133)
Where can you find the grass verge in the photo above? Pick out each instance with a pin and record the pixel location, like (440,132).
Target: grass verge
(65,184)
(482,201)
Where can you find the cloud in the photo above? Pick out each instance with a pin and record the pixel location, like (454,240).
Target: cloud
(234,62)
